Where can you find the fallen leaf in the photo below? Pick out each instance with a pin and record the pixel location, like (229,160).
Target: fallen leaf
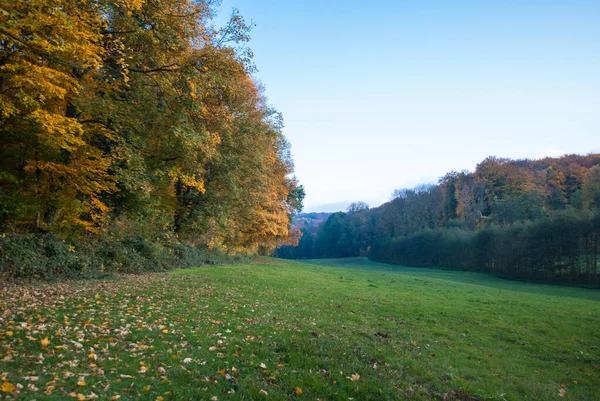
(8,387)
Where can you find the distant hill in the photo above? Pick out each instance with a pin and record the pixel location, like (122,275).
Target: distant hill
(309,224)
(309,221)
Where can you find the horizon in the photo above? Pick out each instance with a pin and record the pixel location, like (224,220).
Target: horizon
(440,87)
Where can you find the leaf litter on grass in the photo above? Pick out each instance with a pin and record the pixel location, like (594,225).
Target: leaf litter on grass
(219,334)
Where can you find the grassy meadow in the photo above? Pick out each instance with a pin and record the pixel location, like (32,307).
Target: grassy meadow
(343,329)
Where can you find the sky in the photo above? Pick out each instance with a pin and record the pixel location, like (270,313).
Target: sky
(382,95)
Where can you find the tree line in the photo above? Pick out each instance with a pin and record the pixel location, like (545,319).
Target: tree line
(536,219)
(123,118)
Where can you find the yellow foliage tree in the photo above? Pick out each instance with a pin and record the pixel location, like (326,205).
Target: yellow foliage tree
(49,48)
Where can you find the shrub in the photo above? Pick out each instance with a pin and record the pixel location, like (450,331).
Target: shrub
(45,256)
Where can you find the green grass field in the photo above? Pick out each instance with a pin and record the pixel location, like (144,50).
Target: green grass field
(332,330)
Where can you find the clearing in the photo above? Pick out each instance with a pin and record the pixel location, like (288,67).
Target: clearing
(327,329)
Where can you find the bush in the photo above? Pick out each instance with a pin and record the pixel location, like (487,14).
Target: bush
(45,256)
(40,256)
(562,247)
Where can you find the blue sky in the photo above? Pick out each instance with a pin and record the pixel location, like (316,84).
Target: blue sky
(389,94)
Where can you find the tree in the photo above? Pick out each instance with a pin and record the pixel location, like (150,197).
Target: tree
(138,115)
(357,207)
(509,217)
(51,53)
(590,188)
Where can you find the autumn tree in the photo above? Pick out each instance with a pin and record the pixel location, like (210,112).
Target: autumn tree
(50,54)
(138,116)
(519,218)
(590,188)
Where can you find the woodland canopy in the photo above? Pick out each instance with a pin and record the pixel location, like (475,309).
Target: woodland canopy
(123,118)
(517,218)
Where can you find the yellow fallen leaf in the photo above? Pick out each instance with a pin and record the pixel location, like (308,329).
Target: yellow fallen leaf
(221,371)
(146,388)
(165,331)
(8,387)
(160,398)
(45,343)
(81,383)
(298,391)
(355,377)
